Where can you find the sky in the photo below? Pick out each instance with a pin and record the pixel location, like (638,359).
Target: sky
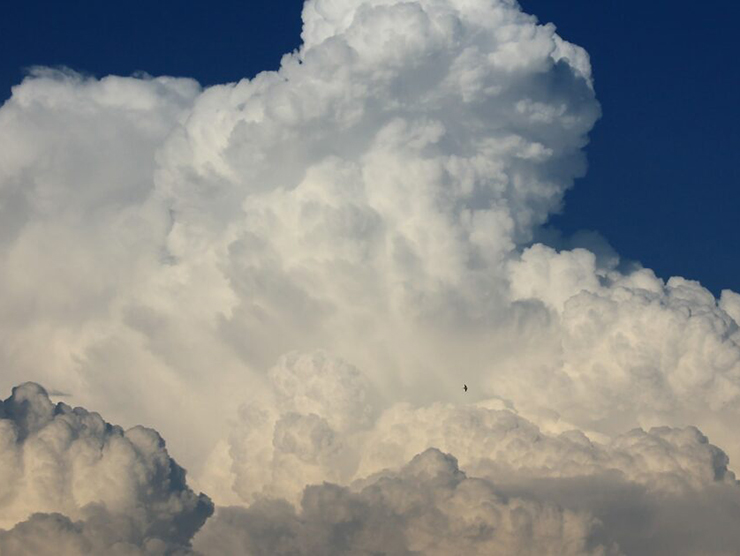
(668,93)
(238,305)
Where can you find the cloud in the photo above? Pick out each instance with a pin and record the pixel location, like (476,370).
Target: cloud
(664,499)
(306,428)
(74,481)
(322,427)
(640,491)
(427,507)
(633,350)
(364,199)
(292,276)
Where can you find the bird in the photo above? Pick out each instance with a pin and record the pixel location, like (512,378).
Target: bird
(465,387)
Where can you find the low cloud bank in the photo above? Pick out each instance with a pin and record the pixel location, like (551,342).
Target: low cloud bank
(78,485)
(638,492)
(428,507)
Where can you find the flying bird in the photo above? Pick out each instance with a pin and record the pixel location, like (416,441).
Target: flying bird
(465,387)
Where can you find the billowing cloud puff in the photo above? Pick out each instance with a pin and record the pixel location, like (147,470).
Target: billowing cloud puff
(662,458)
(316,423)
(427,507)
(98,534)
(363,199)
(301,270)
(430,507)
(639,492)
(302,430)
(73,481)
(632,350)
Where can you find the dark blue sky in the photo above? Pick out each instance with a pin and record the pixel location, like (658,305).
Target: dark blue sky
(663,185)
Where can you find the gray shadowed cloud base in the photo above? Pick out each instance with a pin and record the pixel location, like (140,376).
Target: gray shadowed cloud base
(74,484)
(292,276)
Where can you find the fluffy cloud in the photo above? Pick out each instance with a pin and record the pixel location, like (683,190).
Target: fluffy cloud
(666,490)
(300,271)
(73,481)
(364,199)
(673,478)
(633,350)
(302,430)
(317,424)
(427,507)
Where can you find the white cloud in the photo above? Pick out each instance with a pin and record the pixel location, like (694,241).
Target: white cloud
(427,507)
(582,505)
(364,199)
(71,478)
(633,350)
(324,254)
(639,490)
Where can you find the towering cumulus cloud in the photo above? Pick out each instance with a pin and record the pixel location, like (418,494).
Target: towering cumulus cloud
(291,277)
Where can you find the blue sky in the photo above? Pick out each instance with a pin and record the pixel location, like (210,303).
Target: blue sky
(662,186)
(663,178)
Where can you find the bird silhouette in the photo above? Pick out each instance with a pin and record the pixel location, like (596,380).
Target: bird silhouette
(465,387)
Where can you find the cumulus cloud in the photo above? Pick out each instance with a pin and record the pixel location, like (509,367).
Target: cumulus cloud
(634,350)
(428,507)
(363,199)
(653,492)
(637,492)
(74,484)
(291,277)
